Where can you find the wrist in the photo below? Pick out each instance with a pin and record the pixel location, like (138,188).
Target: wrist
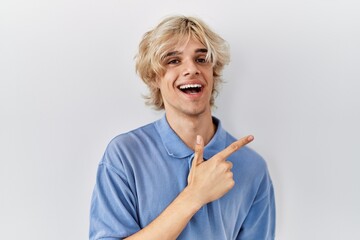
(191,198)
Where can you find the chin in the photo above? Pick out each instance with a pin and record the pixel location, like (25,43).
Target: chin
(196,111)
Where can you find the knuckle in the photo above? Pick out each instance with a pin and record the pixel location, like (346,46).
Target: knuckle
(231,183)
(227,166)
(234,146)
(229,175)
(218,158)
(198,150)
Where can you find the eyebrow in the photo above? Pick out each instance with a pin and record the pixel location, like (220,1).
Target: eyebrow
(174,53)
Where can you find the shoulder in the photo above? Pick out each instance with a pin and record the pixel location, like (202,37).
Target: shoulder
(127,144)
(244,151)
(132,138)
(247,158)
(250,171)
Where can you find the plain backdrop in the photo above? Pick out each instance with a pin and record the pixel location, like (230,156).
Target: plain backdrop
(68,86)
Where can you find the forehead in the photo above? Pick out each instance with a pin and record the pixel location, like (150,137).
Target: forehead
(189,44)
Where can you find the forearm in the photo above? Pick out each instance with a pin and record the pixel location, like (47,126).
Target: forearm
(171,222)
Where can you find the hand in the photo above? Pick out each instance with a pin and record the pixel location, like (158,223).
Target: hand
(209,180)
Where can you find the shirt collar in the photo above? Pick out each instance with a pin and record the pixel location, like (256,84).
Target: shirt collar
(175,147)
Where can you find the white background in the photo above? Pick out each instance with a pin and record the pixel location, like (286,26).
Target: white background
(68,85)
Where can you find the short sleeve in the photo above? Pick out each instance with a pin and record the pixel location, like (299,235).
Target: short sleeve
(260,221)
(113,206)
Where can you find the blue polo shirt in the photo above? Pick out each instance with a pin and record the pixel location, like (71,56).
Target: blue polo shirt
(143,171)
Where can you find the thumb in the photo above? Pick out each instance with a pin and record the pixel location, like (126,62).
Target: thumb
(199,151)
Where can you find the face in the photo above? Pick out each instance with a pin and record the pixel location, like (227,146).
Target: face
(187,84)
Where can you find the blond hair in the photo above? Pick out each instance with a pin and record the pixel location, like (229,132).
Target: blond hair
(171,32)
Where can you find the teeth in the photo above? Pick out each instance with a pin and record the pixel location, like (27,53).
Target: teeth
(186,86)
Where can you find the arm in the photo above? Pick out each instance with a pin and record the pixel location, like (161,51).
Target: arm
(207,181)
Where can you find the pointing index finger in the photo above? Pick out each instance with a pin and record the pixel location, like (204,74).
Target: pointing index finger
(235,146)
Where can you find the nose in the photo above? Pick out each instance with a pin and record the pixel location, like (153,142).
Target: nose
(190,68)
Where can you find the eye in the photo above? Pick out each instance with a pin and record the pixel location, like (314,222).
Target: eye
(201,60)
(173,61)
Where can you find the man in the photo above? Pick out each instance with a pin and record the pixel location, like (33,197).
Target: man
(183,176)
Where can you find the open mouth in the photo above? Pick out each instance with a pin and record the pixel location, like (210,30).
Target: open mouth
(190,88)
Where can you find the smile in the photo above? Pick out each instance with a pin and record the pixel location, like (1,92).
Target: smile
(190,88)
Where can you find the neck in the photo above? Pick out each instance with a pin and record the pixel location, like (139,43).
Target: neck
(188,127)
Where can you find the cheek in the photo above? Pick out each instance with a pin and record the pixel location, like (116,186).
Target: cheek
(208,72)
(165,84)
(169,79)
